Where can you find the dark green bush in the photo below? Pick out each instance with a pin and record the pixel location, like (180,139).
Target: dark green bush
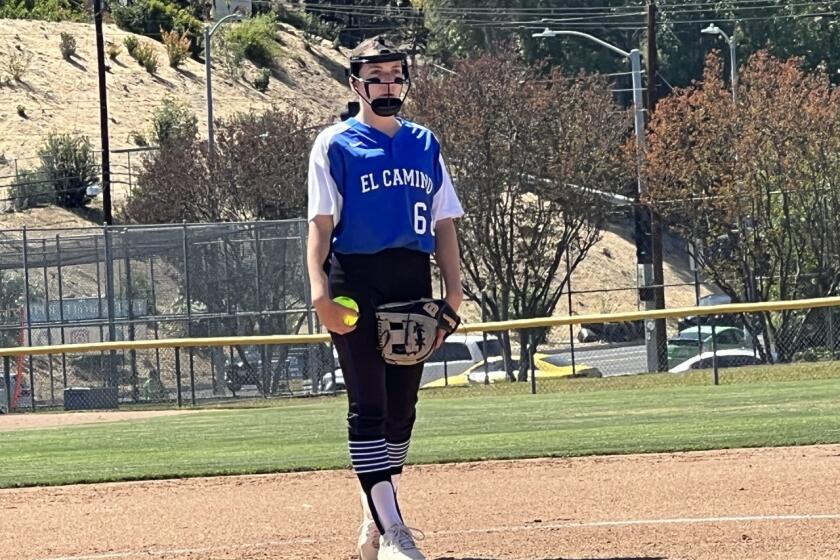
(69,164)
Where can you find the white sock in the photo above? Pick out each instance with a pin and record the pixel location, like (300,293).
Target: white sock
(385,502)
(395,481)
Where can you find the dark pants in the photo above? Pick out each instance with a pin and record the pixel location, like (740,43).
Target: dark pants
(382,397)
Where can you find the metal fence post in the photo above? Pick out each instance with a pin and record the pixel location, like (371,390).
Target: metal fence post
(178,375)
(47,317)
(188,299)
(443,348)
(714,352)
(99,296)
(111,378)
(7,378)
(28,295)
(530,354)
(231,322)
(831,345)
(61,308)
(307,295)
(192,378)
(264,366)
(571,312)
(156,326)
(310,370)
(130,186)
(129,296)
(484,337)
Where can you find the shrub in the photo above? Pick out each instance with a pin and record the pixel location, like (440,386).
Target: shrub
(131,43)
(48,10)
(255,37)
(29,190)
(17,63)
(137,138)
(262,79)
(147,57)
(114,50)
(147,17)
(815,354)
(68,45)
(172,121)
(232,53)
(177,46)
(312,26)
(68,163)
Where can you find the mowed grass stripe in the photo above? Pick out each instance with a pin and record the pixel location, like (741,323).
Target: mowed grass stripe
(312,435)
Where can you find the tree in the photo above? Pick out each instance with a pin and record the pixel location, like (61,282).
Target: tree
(527,156)
(757,184)
(257,173)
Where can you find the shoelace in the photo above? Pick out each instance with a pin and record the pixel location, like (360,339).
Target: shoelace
(407,535)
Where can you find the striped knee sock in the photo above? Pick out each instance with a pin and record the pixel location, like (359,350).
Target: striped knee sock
(397,453)
(369,456)
(373,467)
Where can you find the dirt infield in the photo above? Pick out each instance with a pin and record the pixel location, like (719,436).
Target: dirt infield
(745,504)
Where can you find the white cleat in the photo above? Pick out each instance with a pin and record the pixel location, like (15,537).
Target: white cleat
(398,543)
(368,540)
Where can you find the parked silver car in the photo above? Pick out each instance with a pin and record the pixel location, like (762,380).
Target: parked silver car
(458,353)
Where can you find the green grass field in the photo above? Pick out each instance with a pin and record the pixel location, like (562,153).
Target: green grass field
(309,434)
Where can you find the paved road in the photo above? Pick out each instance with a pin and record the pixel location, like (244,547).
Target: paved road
(625,360)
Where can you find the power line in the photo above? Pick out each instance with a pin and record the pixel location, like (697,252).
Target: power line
(740,19)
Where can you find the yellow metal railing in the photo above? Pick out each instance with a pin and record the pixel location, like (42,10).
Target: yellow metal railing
(518,324)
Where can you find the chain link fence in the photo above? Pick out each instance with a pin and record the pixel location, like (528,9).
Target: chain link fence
(129,283)
(149,283)
(796,345)
(726,348)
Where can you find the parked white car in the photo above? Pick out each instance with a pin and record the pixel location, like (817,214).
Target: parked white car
(733,357)
(458,353)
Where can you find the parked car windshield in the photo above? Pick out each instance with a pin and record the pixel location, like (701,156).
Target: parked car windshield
(686,338)
(558,360)
(451,352)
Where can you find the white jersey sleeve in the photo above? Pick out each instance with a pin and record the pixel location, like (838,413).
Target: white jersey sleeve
(445,203)
(324,197)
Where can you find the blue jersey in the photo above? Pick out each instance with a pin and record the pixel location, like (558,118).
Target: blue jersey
(382,192)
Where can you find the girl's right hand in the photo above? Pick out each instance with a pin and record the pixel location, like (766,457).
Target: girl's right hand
(332,316)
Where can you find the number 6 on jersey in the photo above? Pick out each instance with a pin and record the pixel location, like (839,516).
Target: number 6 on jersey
(420,223)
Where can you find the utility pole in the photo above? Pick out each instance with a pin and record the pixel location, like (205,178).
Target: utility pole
(642,227)
(659,332)
(103,114)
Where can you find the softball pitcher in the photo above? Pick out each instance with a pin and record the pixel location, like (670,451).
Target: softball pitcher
(380,204)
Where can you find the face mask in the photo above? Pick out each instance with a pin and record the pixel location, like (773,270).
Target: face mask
(385,106)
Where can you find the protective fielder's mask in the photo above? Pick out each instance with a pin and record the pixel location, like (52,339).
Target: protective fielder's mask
(385,106)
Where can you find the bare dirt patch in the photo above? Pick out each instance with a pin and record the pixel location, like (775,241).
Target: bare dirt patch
(754,503)
(23,421)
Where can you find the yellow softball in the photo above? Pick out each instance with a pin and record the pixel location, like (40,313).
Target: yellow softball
(349,303)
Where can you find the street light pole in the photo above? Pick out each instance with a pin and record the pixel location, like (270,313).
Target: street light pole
(635,57)
(208,34)
(645,268)
(713,29)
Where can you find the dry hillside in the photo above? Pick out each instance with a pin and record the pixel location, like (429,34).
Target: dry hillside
(62,96)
